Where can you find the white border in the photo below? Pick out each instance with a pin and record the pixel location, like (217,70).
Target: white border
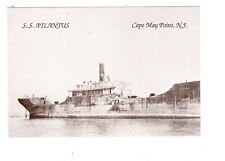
(206,147)
(69,3)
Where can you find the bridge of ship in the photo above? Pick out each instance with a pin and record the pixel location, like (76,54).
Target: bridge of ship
(93,89)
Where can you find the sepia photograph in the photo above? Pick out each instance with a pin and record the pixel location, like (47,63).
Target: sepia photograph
(104,71)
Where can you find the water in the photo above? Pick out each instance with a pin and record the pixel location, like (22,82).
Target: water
(68,127)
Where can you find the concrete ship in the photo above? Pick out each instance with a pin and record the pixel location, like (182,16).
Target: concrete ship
(113,99)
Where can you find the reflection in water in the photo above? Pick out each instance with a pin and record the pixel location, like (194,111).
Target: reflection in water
(20,127)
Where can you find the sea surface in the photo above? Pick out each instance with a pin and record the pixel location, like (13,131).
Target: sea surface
(73,127)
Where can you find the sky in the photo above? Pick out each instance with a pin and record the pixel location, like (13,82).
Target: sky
(49,62)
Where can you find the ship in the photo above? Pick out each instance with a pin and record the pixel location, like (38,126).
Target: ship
(104,99)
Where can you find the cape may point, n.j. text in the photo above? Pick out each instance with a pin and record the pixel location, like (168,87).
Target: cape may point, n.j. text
(160,25)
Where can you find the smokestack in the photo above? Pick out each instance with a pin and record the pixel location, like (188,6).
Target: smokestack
(101,72)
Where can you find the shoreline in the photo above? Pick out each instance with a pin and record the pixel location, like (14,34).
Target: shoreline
(120,116)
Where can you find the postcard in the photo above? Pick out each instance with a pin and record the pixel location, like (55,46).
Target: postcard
(104,71)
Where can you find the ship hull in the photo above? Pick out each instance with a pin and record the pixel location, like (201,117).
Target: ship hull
(128,111)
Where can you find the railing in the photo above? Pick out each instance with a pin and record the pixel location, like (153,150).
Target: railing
(94,86)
